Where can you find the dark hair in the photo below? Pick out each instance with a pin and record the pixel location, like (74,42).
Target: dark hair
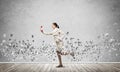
(56,25)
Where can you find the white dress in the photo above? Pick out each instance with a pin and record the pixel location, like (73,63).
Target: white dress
(58,37)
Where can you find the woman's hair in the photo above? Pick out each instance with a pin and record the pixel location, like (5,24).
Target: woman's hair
(56,25)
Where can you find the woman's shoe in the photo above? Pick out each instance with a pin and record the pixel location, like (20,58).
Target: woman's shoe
(59,66)
(73,55)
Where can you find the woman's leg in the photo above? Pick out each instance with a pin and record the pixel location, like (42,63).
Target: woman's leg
(59,58)
(65,53)
(68,53)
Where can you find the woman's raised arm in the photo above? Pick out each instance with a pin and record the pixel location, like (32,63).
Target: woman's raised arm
(46,33)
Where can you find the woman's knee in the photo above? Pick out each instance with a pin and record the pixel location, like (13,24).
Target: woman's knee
(58,53)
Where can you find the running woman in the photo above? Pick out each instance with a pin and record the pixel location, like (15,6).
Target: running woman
(58,35)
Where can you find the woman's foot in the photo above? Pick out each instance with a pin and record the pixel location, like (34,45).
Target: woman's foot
(59,66)
(72,54)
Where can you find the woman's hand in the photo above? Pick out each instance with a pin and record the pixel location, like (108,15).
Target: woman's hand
(41,29)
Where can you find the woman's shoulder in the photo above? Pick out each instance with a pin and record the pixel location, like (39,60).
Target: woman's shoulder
(59,30)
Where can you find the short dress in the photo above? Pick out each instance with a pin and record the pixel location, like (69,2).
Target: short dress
(58,37)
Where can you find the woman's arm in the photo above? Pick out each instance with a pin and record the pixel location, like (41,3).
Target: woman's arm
(41,29)
(49,33)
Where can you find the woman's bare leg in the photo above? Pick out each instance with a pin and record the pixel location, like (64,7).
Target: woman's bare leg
(68,53)
(65,53)
(59,58)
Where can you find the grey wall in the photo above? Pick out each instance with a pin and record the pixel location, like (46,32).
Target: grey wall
(84,19)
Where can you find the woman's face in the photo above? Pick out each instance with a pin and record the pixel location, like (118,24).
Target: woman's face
(53,26)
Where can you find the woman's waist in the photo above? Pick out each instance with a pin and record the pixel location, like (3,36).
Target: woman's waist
(57,39)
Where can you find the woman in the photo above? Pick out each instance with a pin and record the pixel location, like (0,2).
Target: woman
(58,37)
